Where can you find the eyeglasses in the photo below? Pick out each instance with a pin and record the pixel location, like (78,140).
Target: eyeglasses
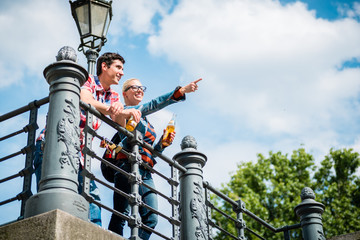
(136,88)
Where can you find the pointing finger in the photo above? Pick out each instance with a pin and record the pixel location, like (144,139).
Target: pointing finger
(196,81)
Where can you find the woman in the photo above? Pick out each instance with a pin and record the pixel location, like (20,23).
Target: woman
(133,93)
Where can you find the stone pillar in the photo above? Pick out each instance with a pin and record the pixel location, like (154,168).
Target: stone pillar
(58,188)
(193,215)
(310,212)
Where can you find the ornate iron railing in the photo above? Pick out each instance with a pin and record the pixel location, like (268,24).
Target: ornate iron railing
(189,198)
(239,223)
(136,162)
(27,171)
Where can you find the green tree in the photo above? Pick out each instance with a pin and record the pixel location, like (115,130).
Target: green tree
(271,189)
(338,188)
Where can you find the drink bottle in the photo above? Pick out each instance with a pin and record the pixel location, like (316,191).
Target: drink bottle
(166,141)
(131,124)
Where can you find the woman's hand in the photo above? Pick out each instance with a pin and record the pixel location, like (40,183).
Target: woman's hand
(191,87)
(116,109)
(169,139)
(126,114)
(132,112)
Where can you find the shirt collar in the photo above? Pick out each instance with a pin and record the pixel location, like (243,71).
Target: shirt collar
(99,87)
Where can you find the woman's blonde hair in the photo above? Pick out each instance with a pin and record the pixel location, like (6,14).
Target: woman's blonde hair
(126,83)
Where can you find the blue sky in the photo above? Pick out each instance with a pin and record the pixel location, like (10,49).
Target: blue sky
(277,75)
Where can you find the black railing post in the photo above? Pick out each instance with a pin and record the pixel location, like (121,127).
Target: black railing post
(135,180)
(174,206)
(208,210)
(286,235)
(58,188)
(310,212)
(88,135)
(240,225)
(31,130)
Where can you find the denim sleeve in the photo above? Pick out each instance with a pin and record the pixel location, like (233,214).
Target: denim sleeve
(157,103)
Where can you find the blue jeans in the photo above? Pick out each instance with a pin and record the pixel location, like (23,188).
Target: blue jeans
(38,156)
(94,210)
(122,205)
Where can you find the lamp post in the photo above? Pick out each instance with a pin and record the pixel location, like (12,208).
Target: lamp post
(92,19)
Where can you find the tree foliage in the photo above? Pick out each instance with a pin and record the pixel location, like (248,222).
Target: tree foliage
(338,188)
(271,189)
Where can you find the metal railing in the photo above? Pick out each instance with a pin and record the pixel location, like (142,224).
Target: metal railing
(27,171)
(190,216)
(172,218)
(239,223)
(133,222)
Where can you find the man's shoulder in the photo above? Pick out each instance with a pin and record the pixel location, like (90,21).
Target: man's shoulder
(114,92)
(92,78)
(90,83)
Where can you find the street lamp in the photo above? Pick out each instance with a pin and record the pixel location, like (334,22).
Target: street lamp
(92,19)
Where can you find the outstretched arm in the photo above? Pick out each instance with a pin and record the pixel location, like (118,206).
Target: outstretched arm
(169,98)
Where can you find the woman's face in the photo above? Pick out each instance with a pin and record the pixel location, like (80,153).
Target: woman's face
(134,95)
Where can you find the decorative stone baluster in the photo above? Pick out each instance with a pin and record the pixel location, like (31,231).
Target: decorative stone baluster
(310,212)
(59,183)
(193,215)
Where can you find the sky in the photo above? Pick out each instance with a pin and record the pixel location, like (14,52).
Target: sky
(278,75)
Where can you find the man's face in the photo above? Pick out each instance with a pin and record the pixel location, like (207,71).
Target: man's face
(114,72)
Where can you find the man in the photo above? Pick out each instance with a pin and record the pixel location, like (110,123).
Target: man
(97,92)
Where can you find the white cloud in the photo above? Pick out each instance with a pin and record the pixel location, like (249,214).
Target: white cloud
(136,16)
(271,71)
(224,156)
(346,10)
(270,67)
(222,159)
(32,33)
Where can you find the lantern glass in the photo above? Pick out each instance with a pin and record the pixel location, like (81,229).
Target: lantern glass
(99,16)
(82,13)
(92,18)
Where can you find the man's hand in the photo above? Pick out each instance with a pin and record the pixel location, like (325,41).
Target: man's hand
(115,108)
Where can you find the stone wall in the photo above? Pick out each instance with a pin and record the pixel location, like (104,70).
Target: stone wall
(55,225)
(350,236)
